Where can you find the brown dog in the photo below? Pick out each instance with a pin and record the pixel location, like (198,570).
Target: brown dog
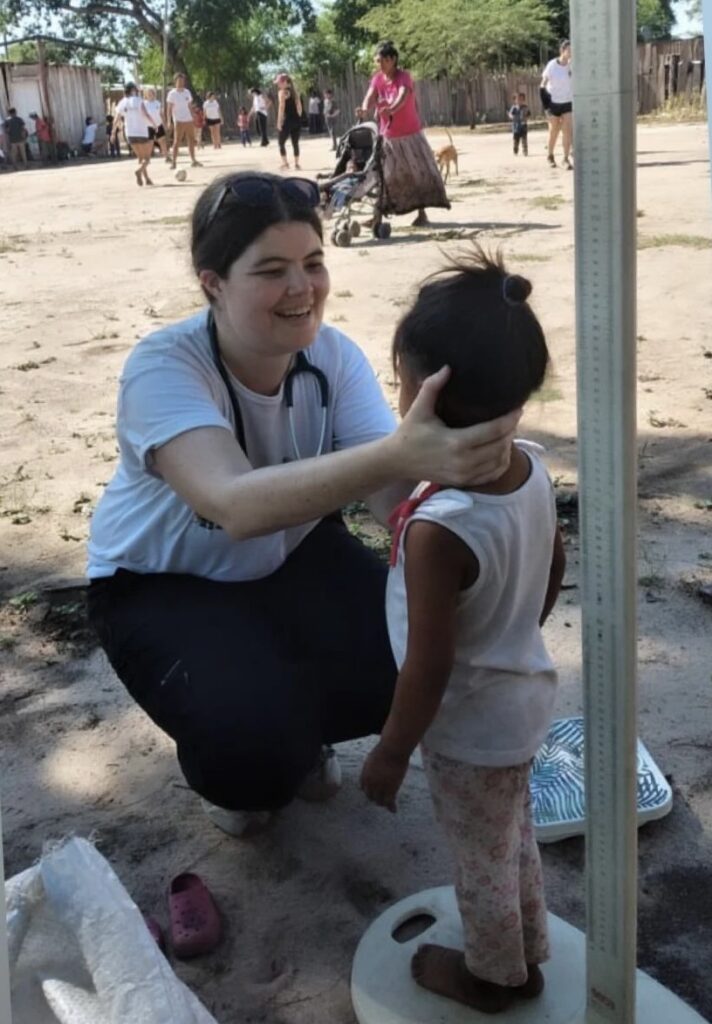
(445,156)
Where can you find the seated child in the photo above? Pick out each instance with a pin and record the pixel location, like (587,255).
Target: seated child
(518,114)
(474,575)
(89,136)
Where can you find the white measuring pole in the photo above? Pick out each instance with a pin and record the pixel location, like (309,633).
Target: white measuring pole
(5,1012)
(604,62)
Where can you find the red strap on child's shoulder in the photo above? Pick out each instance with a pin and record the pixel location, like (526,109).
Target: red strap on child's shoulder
(400,515)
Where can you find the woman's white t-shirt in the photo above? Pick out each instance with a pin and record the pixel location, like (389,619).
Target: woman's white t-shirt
(170,385)
(154,109)
(259,104)
(181,100)
(497,707)
(211,109)
(134,118)
(559,81)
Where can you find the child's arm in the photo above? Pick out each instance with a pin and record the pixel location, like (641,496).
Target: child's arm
(437,567)
(556,576)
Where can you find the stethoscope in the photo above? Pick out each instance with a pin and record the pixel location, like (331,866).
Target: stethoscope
(301,365)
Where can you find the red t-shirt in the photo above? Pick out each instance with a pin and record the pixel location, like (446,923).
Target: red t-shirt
(406,120)
(42,130)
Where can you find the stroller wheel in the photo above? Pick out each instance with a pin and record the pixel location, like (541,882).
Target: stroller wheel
(343,237)
(355,228)
(382,230)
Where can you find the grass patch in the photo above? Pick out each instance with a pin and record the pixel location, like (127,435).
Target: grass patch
(548,393)
(547,202)
(530,257)
(687,241)
(344,294)
(174,219)
(12,243)
(651,582)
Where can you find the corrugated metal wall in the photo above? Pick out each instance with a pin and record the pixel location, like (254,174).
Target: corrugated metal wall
(74,94)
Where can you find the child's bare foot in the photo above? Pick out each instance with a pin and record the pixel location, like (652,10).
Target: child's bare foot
(443,971)
(533,986)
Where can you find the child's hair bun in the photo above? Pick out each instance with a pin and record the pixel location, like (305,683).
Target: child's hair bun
(515,289)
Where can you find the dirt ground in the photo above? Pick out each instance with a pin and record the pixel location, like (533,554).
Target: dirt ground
(88,264)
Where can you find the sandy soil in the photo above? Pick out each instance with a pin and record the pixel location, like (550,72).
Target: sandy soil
(88,264)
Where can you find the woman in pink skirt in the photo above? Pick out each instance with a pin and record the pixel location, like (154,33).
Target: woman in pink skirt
(412,179)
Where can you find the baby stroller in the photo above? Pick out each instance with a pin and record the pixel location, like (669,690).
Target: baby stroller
(357,185)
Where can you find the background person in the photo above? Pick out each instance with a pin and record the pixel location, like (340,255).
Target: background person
(16,136)
(314,112)
(331,116)
(198,124)
(289,119)
(179,106)
(157,134)
(557,82)
(412,179)
(232,601)
(112,139)
(43,132)
(213,119)
(260,113)
(518,114)
(89,136)
(243,126)
(132,111)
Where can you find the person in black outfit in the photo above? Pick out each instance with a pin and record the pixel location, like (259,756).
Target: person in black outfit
(289,119)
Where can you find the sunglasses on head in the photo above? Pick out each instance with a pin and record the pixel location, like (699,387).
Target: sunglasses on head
(259,191)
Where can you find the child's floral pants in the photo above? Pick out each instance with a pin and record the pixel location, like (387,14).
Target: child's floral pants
(486,815)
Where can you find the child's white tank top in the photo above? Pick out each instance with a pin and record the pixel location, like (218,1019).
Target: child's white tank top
(499,700)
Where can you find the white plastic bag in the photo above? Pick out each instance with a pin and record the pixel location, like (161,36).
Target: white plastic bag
(80,952)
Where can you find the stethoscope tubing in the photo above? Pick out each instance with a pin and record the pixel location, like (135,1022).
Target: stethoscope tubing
(301,365)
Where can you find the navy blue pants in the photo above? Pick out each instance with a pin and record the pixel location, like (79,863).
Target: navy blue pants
(250,679)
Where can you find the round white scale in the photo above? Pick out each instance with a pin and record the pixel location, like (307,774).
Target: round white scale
(383,992)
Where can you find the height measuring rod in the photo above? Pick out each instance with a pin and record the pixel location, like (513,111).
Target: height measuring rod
(707,28)
(5,1012)
(604,61)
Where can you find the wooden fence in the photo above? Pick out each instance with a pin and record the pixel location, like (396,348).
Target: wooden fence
(666,71)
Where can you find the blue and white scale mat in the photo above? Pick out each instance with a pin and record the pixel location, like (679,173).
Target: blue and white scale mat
(557,784)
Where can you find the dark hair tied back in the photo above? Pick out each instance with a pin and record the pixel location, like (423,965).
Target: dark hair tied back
(515,289)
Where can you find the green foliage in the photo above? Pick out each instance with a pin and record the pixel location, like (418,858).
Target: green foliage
(458,37)
(321,50)
(656,19)
(347,15)
(225,39)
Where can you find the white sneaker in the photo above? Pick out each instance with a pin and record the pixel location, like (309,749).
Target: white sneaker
(324,780)
(241,824)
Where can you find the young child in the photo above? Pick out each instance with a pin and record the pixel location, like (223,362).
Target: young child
(243,124)
(474,575)
(518,114)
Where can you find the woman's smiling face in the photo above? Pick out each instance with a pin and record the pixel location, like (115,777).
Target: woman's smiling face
(272,300)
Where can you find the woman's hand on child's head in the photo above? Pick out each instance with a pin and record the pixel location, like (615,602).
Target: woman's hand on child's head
(463,457)
(382,775)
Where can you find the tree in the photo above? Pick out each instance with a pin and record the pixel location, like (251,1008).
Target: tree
(459,37)
(130,24)
(320,50)
(655,19)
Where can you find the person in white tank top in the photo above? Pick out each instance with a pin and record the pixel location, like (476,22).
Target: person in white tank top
(557,84)
(474,575)
(137,124)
